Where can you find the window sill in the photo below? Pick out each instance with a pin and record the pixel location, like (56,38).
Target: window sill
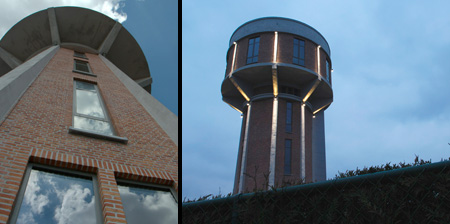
(84,73)
(92,134)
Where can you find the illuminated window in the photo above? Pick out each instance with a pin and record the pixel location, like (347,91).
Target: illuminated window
(288,117)
(253,50)
(299,52)
(51,195)
(144,203)
(287,156)
(82,67)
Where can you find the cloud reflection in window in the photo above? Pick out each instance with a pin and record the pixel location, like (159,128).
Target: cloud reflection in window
(54,198)
(89,104)
(142,205)
(92,125)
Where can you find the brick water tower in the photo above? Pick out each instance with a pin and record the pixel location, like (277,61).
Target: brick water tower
(278,77)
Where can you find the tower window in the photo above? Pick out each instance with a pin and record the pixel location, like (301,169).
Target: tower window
(144,203)
(288,117)
(253,50)
(299,52)
(89,112)
(82,67)
(327,64)
(287,156)
(53,195)
(79,55)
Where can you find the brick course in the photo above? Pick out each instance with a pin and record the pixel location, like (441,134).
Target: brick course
(36,130)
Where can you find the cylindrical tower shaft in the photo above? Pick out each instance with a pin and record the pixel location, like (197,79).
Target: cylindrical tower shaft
(278,77)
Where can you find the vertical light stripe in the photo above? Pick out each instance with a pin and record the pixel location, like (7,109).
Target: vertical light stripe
(275,47)
(244,153)
(234,58)
(273,143)
(318,59)
(303,144)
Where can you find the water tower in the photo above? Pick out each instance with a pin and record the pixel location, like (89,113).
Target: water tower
(278,76)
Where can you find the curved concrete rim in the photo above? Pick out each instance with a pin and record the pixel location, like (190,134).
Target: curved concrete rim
(280,24)
(75,28)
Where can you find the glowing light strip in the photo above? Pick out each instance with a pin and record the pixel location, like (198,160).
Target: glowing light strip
(273,144)
(234,58)
(313,88)
(318,59)
(244,153)
(234,108)
(239,89)
(275,47)
(315,112)
(275,80)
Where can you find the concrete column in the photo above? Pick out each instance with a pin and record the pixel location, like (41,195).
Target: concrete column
(318,147)
(244,153)
(302,143)
(14,83)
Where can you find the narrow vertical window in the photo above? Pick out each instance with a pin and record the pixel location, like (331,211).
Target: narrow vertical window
(299,52)
(288,117)
(51,195)
(142,204)
(328,70)
(287,156)
(89,112)
(82,67)
(253,50)
(79,55)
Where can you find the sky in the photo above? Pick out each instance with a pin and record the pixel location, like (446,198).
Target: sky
(153,23)
(390,84)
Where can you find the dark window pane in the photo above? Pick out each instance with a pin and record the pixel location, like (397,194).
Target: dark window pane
(250,51)
(288,117)
(256,49)
(81,66)
(287,156)
(148,206)
(55,198)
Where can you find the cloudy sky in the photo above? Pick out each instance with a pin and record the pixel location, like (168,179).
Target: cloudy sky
(390,82)
(153,23)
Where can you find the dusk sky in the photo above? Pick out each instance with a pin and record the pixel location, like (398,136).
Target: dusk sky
(390,83)
(153,23)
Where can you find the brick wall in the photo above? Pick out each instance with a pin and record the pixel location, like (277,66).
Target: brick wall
(36,130)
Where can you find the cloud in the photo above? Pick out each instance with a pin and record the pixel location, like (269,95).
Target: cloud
(74,208)
(12,12)
(158,206)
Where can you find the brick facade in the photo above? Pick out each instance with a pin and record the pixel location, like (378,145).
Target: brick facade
(36,131)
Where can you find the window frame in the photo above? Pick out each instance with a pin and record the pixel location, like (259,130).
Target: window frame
(297,48)
(60,171)
(144,185)
(75,60)
(253,57)
(79,54)
(106,118)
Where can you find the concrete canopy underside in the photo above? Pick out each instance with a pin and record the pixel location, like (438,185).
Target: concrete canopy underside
(75,28)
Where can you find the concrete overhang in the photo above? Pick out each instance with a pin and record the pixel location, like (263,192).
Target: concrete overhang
(75,28)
